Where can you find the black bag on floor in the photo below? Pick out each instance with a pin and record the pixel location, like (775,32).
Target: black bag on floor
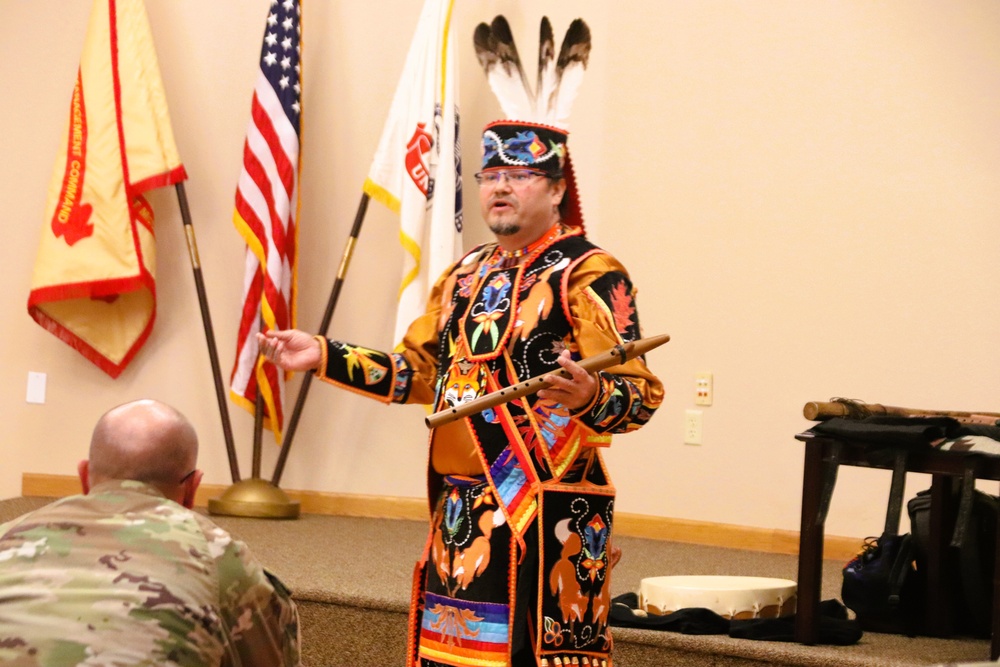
(881,586)
(972,551)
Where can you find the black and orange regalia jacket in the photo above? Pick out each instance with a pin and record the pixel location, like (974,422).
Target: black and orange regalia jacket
(486,328)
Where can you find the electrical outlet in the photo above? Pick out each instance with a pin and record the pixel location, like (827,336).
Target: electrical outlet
(703,389)
(692,427)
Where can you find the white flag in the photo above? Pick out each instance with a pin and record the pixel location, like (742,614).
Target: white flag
(417,171)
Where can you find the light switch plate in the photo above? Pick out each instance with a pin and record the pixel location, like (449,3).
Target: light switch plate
(36,388)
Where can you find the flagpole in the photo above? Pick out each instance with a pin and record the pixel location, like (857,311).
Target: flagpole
(345,261)
(206,318)
(258,433)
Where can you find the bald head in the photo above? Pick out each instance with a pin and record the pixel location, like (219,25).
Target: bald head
(144,440)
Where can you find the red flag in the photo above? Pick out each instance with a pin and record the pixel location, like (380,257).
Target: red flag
(93,284)
(267,210)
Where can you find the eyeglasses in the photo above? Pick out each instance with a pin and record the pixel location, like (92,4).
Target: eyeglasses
(516,177)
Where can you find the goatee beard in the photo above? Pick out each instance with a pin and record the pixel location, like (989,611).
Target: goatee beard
(505,228)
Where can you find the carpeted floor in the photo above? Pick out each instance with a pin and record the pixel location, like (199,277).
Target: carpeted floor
(359,571)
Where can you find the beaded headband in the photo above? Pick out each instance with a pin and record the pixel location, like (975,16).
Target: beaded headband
(518,144)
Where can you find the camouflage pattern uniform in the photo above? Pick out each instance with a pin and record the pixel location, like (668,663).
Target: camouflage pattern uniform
(123,576)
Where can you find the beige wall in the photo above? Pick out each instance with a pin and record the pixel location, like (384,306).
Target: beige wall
(807,195)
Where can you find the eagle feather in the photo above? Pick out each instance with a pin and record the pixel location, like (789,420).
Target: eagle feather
(498,56)
(573,57)
(547,83)
(558,80)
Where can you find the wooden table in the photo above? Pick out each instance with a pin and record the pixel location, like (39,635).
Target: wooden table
(823,455)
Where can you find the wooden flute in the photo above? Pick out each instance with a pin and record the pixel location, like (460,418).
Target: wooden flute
(820,410)
(618,354)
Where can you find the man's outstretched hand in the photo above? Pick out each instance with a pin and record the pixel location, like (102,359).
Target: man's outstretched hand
(290,349)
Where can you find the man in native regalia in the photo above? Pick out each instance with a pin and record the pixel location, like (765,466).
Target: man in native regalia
(521,486)
(517,564)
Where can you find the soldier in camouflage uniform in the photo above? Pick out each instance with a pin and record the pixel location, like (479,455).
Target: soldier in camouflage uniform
(127,574)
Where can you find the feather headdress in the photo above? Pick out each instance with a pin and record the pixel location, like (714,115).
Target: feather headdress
(558,79)
(536,135)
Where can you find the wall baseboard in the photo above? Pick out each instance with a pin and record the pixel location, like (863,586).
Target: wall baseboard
(390,507)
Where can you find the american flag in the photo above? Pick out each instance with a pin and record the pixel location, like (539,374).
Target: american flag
(267,210)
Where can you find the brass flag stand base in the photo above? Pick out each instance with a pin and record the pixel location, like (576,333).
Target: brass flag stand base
(257,498)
